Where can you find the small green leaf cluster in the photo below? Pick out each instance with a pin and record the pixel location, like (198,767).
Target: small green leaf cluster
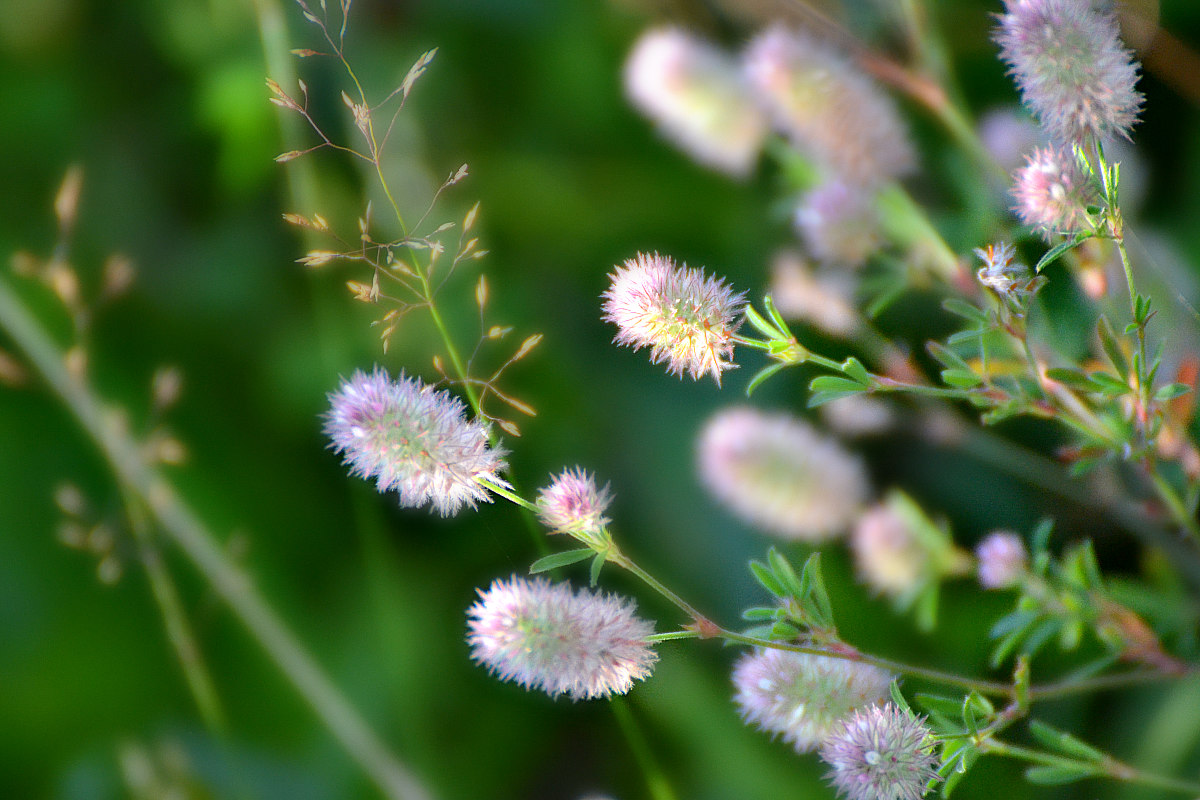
(802,608)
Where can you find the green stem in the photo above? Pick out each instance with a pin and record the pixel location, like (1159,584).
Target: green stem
(656,779)
(1108,767)
(182,526)
(175,622)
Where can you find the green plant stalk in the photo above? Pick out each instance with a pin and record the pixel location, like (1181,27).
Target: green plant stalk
(182,526)
(175,621)
(1108,767)
(656,779)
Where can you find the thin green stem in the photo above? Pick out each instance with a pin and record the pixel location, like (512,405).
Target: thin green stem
(656,779)
(175,621)
(183,527)
(623,561)
(1108,767)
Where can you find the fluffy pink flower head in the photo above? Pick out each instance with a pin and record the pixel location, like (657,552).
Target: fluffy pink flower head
(572,504)
(685,317)
(828,108)
(801,696)
(777,472)
(838,223)
(1071,67)
(1052,193)
(880,753)
(1002,560)
(414,439)
(541,636)
(821,298)
(698,97)
(887,551)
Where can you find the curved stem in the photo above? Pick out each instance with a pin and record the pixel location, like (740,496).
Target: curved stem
(183,527)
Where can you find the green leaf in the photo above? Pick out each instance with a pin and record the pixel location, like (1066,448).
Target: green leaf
(760,324)
(818,399)
(965,336)
(939,704)
(1058,775)
(1017,620)
(1171,391)
(1110,384)
(784,632)
(1056,252)
(1108,341)
(556,560)
(597,565)
(832,383)
(1064,742)
(784,572)
(897,698)
(815,591)
(767,578)
(763,374)
(947,357)
(1069,376)
(1041,634)
(960,379)
(1040,538)
(965,310)
(854,368)
(759,614)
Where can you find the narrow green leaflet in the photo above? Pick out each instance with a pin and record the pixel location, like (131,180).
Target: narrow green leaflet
(1059,775)
(1056,252)
(556,560)
(1064,742)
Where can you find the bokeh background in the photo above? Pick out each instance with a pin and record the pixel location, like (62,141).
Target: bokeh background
(162,104)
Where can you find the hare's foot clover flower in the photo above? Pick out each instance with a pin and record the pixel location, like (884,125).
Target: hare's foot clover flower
(572,504)
(699,98)
(803,696)
(776,472)
(829,108)
(685,317)
(1002,560)
(412,438)
(1052,193)
(838,223)
(582,644)
(1071,68)
(880,753)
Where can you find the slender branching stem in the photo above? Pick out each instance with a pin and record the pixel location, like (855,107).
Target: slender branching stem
(175,622)
(181,525)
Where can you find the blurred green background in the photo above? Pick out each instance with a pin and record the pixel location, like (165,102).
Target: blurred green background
(162,104)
